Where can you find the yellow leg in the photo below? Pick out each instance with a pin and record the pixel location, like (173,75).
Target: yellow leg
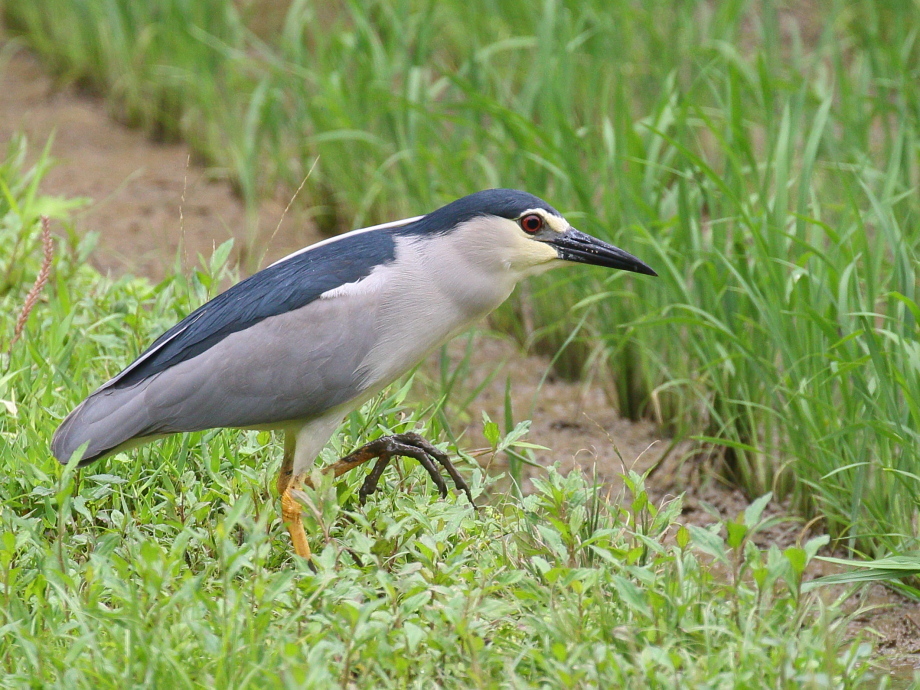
(291,510)
(292,514)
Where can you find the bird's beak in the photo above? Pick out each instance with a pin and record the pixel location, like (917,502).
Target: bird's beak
(573,245)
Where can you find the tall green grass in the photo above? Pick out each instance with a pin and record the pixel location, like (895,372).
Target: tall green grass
(761,155)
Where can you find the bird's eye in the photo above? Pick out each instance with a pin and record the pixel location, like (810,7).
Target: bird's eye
(531,223)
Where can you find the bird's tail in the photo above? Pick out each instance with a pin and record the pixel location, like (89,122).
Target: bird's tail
(108,420)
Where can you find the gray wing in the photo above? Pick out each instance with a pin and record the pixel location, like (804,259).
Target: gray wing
(290,366)
(285,286)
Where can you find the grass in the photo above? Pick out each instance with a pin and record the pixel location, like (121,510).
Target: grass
(169,565)
(761,156)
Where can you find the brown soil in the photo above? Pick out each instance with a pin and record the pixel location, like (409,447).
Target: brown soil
(146,197)
(137,188)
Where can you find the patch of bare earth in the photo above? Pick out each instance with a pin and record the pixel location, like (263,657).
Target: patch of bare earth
(137,188)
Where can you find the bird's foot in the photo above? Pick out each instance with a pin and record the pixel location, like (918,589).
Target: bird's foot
(409,445)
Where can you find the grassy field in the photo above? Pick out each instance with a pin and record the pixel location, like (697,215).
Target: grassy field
(171,569)
(763,157)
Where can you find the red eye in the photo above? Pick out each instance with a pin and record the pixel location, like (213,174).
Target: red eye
(531,223)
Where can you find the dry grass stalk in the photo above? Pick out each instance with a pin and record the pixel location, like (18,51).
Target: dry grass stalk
(44,272)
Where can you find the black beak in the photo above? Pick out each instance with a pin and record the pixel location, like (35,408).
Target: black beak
(573,245)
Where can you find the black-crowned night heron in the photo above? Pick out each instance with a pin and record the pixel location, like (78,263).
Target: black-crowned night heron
(302,343)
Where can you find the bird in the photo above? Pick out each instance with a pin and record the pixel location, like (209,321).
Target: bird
(302,343)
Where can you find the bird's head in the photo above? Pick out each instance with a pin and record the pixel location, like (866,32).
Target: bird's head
(523,234)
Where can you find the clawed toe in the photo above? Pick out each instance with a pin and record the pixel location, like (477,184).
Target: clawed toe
(445,462)
(410,445)
(370,482)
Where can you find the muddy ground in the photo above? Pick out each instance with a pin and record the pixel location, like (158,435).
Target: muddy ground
(148,200)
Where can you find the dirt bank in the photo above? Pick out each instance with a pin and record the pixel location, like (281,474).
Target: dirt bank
(137,187)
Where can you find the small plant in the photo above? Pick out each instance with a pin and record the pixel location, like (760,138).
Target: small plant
(40,280)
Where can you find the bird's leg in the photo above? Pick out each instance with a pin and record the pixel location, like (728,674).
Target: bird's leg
(409,445)
(291,510)
(382,450)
